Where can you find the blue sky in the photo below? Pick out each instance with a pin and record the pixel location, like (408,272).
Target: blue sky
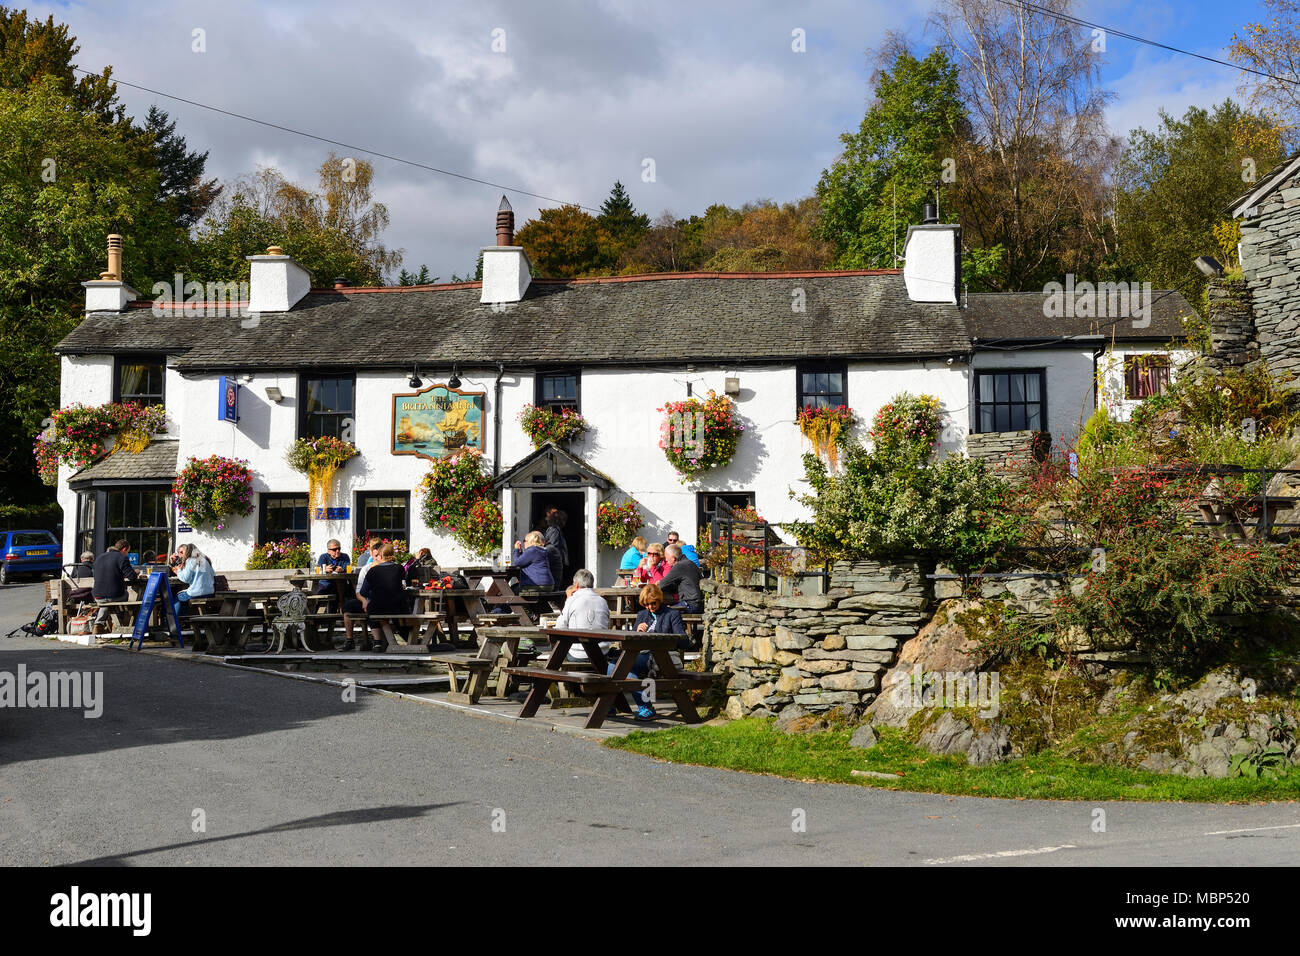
(582,94)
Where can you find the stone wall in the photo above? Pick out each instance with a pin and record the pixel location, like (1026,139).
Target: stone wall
(999,448)
(1233,338)
(819,651)
(1270,261)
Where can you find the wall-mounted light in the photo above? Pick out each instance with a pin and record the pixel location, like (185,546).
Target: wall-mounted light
(415,381)
(454,381)
(274,394)
(732,386)
(1208,265)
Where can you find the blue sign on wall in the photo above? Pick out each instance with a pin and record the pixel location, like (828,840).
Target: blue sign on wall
(228,409)
(333,514)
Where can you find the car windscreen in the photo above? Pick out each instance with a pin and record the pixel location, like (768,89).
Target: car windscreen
(33,539)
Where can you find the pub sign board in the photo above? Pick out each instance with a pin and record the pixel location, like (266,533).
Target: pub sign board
(437,421)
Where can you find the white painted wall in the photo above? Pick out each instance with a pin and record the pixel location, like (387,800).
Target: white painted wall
(1069,381)
(623,443)
(88,380)
(1110,375)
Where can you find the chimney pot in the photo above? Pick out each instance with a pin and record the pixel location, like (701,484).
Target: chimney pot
(505,223)
(931,215)
(340,282)
(114,258)
(274,251)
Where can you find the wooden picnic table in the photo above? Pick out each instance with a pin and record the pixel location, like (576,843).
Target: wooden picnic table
(344,582)
(609,689)
(470,674)
(232,626)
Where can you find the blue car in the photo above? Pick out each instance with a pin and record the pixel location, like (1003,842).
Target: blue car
(28,552)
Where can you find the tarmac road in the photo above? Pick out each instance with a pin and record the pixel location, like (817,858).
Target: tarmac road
(282,771)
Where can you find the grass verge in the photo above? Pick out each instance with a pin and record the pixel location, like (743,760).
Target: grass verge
(752,745)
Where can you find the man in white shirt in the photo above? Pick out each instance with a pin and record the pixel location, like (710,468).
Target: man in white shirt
(584,610)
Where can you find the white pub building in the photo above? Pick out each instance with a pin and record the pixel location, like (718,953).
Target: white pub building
(295,360)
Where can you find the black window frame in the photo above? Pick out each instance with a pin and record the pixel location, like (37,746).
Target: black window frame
(304,415)
(555,405)
(360,521)
(802,397)
(141,398)
(84,536)
(266,499)
(704,516)
(167,530)
(978,404)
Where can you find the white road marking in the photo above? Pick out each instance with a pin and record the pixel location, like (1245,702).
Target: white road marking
(972,857)
(1285,826)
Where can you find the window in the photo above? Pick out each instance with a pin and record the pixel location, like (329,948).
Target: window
(384,514)
(558,390)
(283,516)
(822,385)
(144,518)
(706,506)
(1145,375)
(139,379)
(86,523)
(328,404)
(1010,401)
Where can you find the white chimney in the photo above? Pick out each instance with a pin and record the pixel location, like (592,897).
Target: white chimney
(932,262)
(276,282)
(506,269)
(109,293)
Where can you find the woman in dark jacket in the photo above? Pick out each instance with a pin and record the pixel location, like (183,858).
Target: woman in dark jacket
(532,563)
(384,592)
(557,549)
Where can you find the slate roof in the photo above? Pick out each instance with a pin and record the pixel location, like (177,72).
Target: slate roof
(623,320)
(626,320)
(1018,316)
(1270,181)
(156,461)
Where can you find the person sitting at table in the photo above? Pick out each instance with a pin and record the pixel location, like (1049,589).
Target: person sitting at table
(688,550)
(353,607)
(584,609)
(420,567)
(532,563)
(651,599)
(333,561)
(86,569)
(681,585)
(652,567)
(112,572)
(633,555)
(383,592)
(195,570)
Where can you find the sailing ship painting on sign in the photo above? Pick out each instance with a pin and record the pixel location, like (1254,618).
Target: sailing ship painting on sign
(437,421)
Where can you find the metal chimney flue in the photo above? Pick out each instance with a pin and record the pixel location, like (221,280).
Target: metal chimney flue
(114,272)
(931,215)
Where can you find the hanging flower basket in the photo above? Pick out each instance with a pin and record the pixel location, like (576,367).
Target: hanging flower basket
(459,499)
(617,524)
(319,459)
(699,434)
(825,429)
(80,435)
(543,425)
(211,490)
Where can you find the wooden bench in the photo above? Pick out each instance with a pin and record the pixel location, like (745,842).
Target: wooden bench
(121,614)
(589,682)
(217,633)
(413,640)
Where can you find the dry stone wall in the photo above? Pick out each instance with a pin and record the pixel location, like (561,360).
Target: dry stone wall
(818,651)
(1270,255)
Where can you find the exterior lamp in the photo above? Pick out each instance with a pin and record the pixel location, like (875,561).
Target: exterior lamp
(454,381)
(274,394)
(415,381)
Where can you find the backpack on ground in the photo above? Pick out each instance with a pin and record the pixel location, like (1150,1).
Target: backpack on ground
(47,622)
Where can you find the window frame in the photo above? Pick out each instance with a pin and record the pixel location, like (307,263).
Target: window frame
(168,530)
(814,368)
(264,501)
(303,395)
(541,374)
(140,358)
(1131,361)
(978,404)
(359,517)
(704,517)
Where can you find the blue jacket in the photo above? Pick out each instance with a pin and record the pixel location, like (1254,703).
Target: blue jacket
(689,552)
(666,621)
(198,577)
(631,558)
(534,568)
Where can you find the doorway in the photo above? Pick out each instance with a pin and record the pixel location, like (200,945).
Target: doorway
(573,504)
